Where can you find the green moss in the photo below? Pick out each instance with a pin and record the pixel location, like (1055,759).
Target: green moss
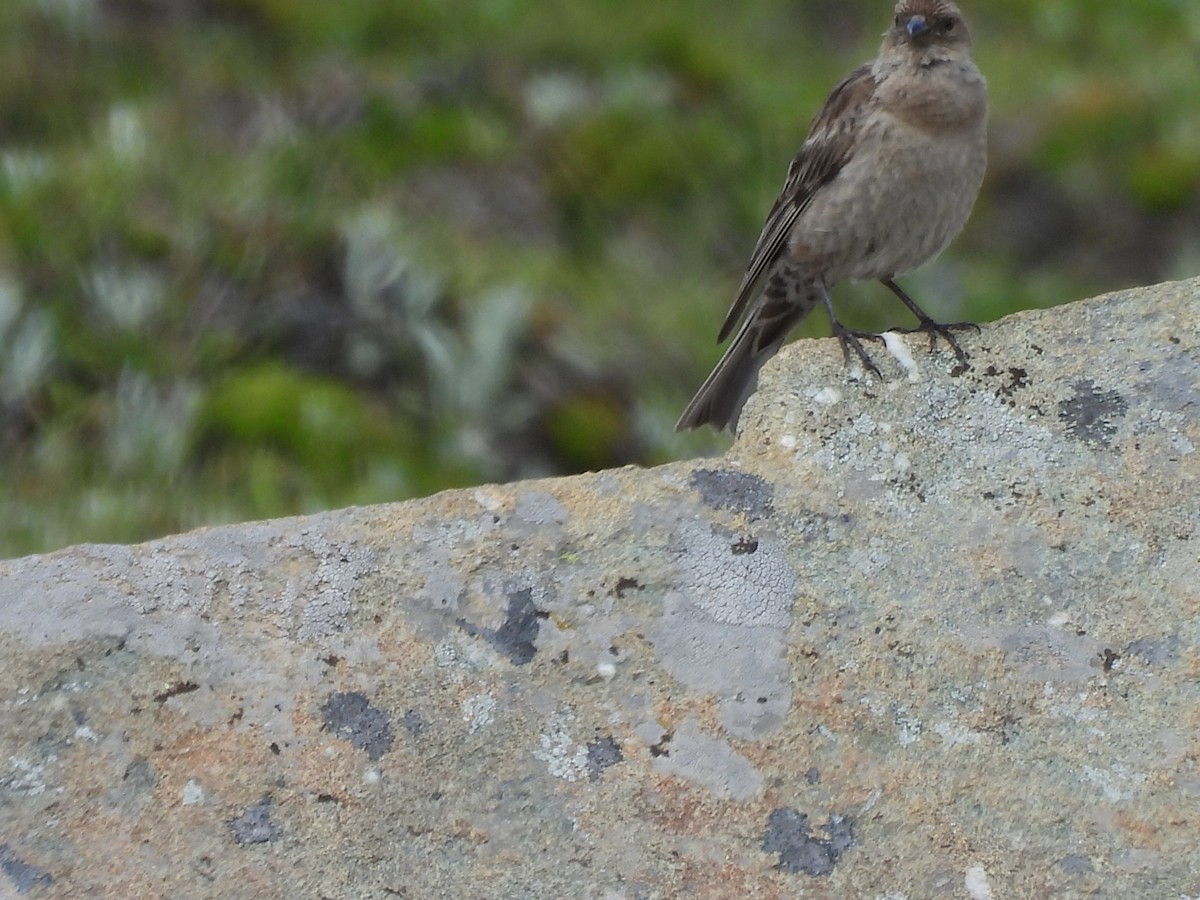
(587,431)
(323,426)
(1165,181)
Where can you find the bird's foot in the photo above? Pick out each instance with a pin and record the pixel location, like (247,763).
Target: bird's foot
(852,340)
(945,332)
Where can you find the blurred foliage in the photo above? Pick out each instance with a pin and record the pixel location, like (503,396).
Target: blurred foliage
(261,257)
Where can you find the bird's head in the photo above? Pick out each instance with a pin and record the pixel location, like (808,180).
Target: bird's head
(930,28)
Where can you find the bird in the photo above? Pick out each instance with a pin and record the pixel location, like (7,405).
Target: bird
(885,180)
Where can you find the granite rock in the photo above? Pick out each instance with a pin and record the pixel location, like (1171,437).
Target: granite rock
(936,636)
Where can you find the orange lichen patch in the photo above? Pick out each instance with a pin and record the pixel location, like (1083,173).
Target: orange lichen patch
(137,831)
(235,765)
(1140,832)
(678,807)
(786,753)
(708,878)
(462,830)
(156,855)
(1192,664)
(824,701)
(670,711)
(398,644)
(1162,780)
(675,807)
(328,767)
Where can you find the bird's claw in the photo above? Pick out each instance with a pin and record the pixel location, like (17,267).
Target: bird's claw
(945,332)
(853,340)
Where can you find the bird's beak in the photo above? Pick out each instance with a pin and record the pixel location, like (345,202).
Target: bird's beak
(916,25)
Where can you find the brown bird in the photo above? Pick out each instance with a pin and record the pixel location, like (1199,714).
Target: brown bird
(885,180)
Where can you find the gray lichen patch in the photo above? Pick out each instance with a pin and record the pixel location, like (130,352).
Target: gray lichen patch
(735,578)
(735,491)
(1091,414)
(710,762)
(24,877)
(800,850)
(255,825)
(602,753)
(733,603)
(516,637)
(744,666)
(564,757)
(327,596)
(351,717)
(540,508)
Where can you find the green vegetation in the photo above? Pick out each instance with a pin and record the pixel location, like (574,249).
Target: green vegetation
(262,257)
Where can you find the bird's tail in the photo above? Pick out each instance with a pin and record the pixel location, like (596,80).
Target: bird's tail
(720,399)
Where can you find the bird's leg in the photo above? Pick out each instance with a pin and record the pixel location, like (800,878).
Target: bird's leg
(928,326)
(850,339)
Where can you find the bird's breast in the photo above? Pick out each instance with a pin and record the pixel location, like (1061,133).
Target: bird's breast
(948,97)
(904,194)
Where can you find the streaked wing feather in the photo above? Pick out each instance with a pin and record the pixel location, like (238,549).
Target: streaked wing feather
(829,145)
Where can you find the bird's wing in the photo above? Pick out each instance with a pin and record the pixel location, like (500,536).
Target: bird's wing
(830,143)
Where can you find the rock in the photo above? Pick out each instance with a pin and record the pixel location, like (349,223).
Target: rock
(936,637)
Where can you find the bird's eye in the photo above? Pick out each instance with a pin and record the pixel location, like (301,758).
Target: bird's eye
(946,26)
(897,21)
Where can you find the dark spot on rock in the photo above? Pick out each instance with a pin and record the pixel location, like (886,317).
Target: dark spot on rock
(736,491)
(516,637)
(1107,659)
(1090,414)
(175,690)
(254,826)
(1155,651)
(1009,728)
(331,660)
(139,775)
(745,547)
(800,851)
(626,584)
(23,876)
(205,869)
(813,775)
(1076,865)
(413,722)
(352,718)
(327,798)
(1018,378)
(274,748)
(662,748)
(602,753)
